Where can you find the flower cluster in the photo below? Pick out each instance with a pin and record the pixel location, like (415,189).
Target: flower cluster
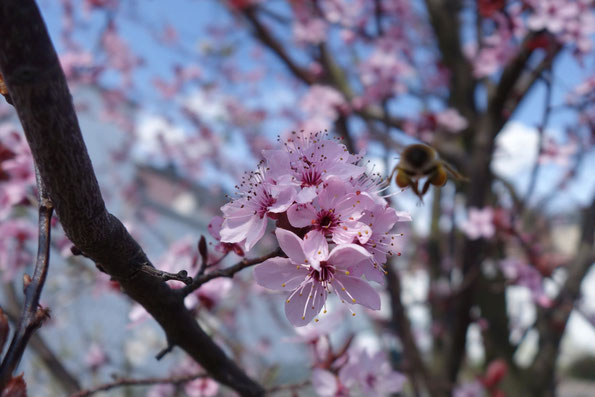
(332,223)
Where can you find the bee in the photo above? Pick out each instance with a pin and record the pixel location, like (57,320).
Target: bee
(420,161)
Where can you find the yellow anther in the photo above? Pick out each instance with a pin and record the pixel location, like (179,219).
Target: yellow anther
(347,272)
(303,318)
(353,300)
(353,314)
(283,285)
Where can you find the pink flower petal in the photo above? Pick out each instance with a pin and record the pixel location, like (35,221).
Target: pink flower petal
(348,255)
(255,232)
(285,198)
(306,195)
(324,382)
(278,274)
(358,289)
(301,215)
(315,248)
(291,245)
(303,306)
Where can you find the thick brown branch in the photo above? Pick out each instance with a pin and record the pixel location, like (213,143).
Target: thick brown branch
(122,382)
(402,325)
(41,97)
(552,322)
(445,23)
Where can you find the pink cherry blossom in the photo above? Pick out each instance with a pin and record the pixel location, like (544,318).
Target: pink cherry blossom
(209,294)
(552,15)
(372,374)
(381,220)
(451,120)
(334,213)
(96,357)
(311,273)
(13,253)
(308,160)
(202,387)
(245,219)
(327,384)
(479,223)
(17,178)
(214,229)
(323,101)
(525,275)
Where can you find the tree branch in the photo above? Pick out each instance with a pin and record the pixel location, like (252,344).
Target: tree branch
(265,36)
(122,382)
(68,382)
(552,322)
(32,315)
(37,85)
(227,272)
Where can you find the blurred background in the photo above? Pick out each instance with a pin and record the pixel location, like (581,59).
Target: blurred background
(176,101)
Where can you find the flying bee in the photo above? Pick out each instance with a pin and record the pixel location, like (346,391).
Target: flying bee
(420,161)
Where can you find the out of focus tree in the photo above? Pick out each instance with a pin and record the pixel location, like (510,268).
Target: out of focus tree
(483,283)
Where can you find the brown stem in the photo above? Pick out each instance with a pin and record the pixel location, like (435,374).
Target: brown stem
(32,315)
(37,85)
(60,373)
(122,382)
(227,272)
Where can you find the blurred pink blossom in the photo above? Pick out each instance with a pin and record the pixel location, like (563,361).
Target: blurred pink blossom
(479,223)
(372,374)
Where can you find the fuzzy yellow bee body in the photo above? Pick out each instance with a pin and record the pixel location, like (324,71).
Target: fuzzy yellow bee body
(419,161)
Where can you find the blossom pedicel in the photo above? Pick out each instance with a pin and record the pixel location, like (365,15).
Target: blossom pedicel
(336,225)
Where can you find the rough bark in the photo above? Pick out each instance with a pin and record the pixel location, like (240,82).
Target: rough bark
(38,89)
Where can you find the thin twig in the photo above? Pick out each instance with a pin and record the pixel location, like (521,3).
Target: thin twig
(291,387)
(541,131)
(32,315)
(227,272)
(121,382)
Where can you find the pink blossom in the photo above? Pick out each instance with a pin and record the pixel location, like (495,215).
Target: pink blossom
(311,273)
(525,275)
(334,213)
(245,219)
(381,220)
(451,120)
(13,253)
(119,54)
(161,391)
(554,152)
(307,28)
(372,374)
(95,357)
(308,160)
(202,387)
(383,72)
(327,384)
(552,15)
(323,101)
(209,294)
(214,229)
(16,169)
(310,31)
(479,223)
